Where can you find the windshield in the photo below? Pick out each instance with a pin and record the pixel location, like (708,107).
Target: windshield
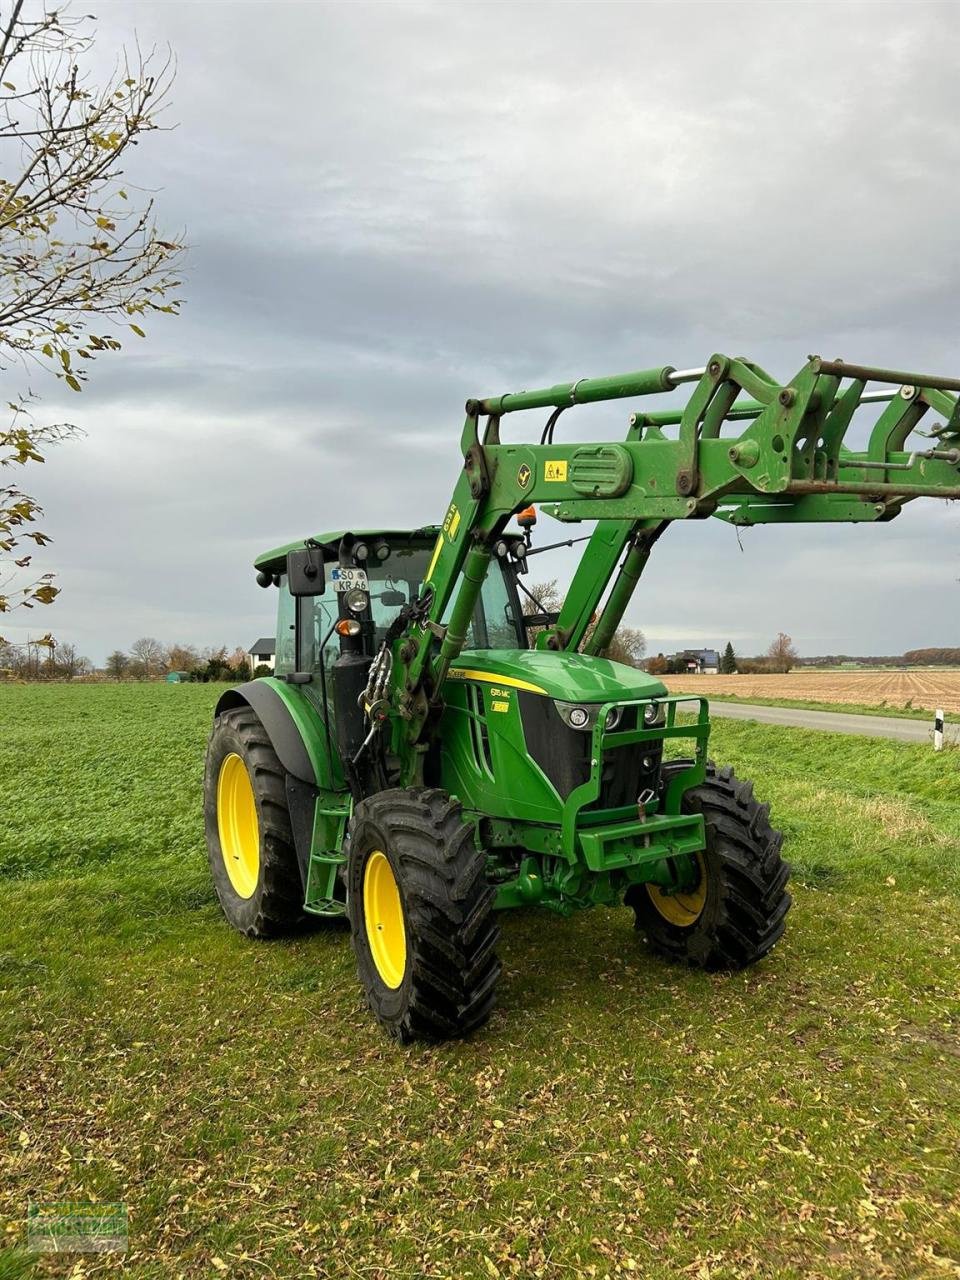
(399,579)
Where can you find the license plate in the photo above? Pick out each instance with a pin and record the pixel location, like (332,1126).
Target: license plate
(349,580)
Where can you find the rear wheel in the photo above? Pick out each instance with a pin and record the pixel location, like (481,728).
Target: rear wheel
(733,909)
(421,915)
(249,840)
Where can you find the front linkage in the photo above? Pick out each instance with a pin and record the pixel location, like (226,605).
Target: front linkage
(434,773)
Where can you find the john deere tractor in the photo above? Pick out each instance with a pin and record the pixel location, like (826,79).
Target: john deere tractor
(429,753)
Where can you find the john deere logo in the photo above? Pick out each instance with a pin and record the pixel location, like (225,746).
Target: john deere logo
(523,476)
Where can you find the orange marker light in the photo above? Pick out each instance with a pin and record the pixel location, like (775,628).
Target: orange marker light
(527,518)
(347,627)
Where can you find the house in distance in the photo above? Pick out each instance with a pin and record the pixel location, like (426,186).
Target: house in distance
(696,662)
(263,653)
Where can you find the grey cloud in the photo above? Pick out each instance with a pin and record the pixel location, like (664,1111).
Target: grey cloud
(394,207)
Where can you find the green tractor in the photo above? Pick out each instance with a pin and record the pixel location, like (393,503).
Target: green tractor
(428,753)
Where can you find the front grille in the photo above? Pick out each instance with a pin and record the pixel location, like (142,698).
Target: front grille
(564,755)
(628,771)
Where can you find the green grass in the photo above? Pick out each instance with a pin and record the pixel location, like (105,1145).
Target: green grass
(618,1116)
(905,712)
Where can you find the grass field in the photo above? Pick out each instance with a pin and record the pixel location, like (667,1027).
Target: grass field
(889,692)
(618,1117)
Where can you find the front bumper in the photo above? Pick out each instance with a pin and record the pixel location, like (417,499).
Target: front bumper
(613,839)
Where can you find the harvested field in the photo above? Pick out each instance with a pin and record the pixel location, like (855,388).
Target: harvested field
(893,689)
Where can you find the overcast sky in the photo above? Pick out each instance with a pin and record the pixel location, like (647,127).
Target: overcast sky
(391,207)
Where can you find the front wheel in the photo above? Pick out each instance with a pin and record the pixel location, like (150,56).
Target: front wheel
(421,914)
(734,909)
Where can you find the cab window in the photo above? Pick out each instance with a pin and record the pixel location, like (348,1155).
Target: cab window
(400,579)
(394,582)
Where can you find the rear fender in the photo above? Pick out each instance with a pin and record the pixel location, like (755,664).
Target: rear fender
(293,726)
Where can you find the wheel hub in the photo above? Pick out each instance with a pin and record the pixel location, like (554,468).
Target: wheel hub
(383,918)
(238,826)
(684,907)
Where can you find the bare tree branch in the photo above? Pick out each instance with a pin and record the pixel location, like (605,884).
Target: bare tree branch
(74,246)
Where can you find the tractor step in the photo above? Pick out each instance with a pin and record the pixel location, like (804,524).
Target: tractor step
(321,898)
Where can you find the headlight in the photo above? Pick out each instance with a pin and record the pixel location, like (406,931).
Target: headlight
(653,714)
(575,716)
(356,600)
(583,718)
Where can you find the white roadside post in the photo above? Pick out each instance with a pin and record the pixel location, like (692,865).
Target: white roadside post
(938,730)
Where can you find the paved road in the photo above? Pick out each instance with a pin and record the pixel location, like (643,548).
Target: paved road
(837,722)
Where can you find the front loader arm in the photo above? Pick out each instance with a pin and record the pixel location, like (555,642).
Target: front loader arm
(497,480)
(784,461)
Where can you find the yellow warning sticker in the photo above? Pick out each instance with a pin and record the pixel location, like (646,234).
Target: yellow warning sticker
(555,470)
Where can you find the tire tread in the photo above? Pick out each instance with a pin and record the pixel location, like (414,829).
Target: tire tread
(452,931)
(753,903)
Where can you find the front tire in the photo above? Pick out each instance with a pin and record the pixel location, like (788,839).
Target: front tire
(421,915)
(250,846)
(735,909)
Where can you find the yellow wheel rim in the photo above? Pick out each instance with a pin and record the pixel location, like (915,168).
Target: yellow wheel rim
(238,826)
(383,919)
(681,909)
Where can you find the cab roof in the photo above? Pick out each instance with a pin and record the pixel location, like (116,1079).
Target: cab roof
(275,561)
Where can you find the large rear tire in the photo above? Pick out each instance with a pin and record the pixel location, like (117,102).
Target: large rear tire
(250,846)
(735,909)
(421,915)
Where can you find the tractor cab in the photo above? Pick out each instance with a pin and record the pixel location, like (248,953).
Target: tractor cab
(371,581)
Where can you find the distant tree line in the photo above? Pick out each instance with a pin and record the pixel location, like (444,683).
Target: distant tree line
(146,659)
(933,657)
(42,659)
(782,656)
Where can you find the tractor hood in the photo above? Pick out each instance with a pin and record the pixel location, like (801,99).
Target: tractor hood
(570,677)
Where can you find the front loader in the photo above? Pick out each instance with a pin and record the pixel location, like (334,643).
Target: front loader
(428,754)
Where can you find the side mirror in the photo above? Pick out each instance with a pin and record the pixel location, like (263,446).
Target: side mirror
(305,574)
(392,599)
